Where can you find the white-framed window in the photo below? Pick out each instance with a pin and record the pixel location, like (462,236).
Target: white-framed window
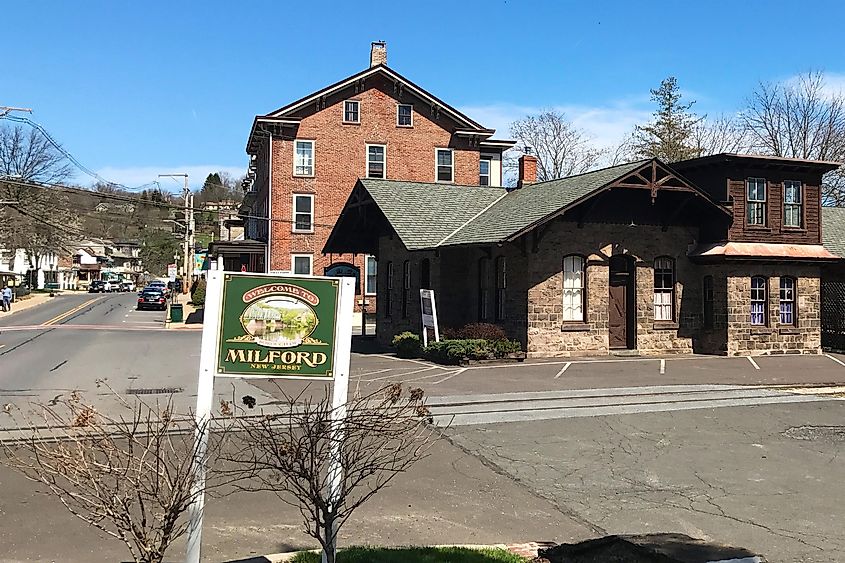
(759,300)
(756,200)
(664,289)
(787,301)
(445,165)
(302,263)
(573,288)
(376,161)
(792,203)
(404,115)
(352,111)
(303,213)
(303,158)
(484,172)
(371,278)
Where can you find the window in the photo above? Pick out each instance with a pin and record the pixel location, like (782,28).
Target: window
(302,263)
(406,288)
(484,172)
(351,111)
(375,161)
(791,203)
(573,289)
(756,201)
(303,158)
(707,301)
(445,166)
(787,301)
(664,289)
(405,115)
(484,289)
(501,287)
(759,300)
(303,213)
(372,276)
(388,295)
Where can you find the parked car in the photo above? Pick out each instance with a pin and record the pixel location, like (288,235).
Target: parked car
(160,286)
(152,299)
(127,286)
(97,286)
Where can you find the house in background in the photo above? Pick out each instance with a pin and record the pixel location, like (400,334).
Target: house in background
(718,255)
(307,156)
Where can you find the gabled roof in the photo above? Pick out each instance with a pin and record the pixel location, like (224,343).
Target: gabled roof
(833,230)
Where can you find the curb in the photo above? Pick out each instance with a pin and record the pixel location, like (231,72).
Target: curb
(528,549)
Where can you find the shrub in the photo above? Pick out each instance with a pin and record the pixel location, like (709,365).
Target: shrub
(407,345)
(198,295)
(455,351)
(504,347)
(476,331)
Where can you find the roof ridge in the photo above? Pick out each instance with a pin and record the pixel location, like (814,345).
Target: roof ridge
(633,162)
(473,218)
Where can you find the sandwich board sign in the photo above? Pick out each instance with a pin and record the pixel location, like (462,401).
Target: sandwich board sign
(270,326)
(428,309)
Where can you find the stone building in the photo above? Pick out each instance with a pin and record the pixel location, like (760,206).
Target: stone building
(719,255)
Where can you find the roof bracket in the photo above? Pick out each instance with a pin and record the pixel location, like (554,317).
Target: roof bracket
(435,111)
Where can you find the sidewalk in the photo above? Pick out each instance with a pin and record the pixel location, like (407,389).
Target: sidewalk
(31,300)
(192,316)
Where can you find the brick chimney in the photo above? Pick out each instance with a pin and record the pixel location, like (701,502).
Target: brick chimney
(527,170)
(378,53)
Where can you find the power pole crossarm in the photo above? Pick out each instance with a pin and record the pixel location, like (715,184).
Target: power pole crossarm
(6,110)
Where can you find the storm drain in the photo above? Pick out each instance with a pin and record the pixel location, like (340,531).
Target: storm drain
(828,433)
(154,391)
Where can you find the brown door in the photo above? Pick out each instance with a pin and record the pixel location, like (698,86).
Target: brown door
(621,305)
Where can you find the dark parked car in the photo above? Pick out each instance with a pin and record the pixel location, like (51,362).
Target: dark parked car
(152,299)
(97,286)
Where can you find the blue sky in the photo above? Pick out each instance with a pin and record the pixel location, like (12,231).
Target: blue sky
(134,89)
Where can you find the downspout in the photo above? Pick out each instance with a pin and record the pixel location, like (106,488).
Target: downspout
(269,255)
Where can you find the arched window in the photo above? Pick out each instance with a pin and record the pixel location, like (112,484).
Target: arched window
(664,289)
(501,287)
(759,300)
(787,301)
(707,301)
(574,296)
(388,295)
(484,289)
(406,288)
(425,274)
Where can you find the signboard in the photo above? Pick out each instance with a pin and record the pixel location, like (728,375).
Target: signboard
(201,261)
(280,327)
(428,309)
(171,272)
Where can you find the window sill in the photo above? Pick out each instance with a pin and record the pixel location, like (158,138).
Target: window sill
(296,232)
(786,229)
(665,325)
(350,123)
(759,228)
(404,126)
(574,327)
(789,329)
(304,175)
(756,329)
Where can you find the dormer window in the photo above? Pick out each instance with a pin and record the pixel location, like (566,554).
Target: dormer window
(792,203)
(756,201)
(351,111)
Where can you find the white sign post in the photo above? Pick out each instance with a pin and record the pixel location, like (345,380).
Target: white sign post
(428,308)
(171,272)
(209,368)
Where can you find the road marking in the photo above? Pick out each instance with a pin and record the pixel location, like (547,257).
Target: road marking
(837,360)
(563,369)
(399,374)
(369,373)
(401,359)
(67,314)
(450,376)
(662,366)
(753,363)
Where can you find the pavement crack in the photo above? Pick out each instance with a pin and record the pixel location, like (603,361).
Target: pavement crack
(57,366)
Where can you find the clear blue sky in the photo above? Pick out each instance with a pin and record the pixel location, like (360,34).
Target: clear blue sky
(137,88)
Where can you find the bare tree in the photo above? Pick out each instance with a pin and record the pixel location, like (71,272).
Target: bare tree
(800,118)
(130,477)
(720,134)
(561,148)
(289,454)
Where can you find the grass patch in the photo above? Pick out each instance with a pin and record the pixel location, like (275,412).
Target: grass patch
(416,555)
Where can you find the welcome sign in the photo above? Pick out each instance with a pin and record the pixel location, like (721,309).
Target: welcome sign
(277,326)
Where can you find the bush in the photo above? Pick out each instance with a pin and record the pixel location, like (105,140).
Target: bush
(407,345)
(504,347)
(475,331)
(198,295)
(454,352)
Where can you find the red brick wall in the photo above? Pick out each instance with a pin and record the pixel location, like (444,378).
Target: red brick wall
(340,159)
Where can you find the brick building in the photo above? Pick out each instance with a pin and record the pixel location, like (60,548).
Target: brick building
(719,255)
(308,155)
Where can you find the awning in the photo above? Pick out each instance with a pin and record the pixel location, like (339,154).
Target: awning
(762,251)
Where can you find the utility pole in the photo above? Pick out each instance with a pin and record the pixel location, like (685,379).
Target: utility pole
(188,260)
(6,110)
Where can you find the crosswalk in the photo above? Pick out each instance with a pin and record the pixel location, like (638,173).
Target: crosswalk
(461,410)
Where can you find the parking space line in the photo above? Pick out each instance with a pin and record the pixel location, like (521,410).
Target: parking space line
(450,376)
(401,359)
(662,366)
(753,363)
(837,360)
(563,369)
(369,373)
(399,374)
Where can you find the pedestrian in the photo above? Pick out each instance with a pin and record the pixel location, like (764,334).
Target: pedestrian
(7,299)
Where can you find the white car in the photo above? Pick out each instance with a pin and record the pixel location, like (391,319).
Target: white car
(127,286)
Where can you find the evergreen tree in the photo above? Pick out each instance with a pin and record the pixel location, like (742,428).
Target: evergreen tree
(669,136)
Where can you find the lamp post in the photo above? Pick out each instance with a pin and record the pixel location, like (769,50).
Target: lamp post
(188,262)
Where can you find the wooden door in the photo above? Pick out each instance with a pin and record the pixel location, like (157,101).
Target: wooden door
(620,305)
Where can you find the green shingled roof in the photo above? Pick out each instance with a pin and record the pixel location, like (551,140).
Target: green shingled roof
(833,230)
(423,214)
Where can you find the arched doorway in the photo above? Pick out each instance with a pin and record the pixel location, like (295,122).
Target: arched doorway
(622,303)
